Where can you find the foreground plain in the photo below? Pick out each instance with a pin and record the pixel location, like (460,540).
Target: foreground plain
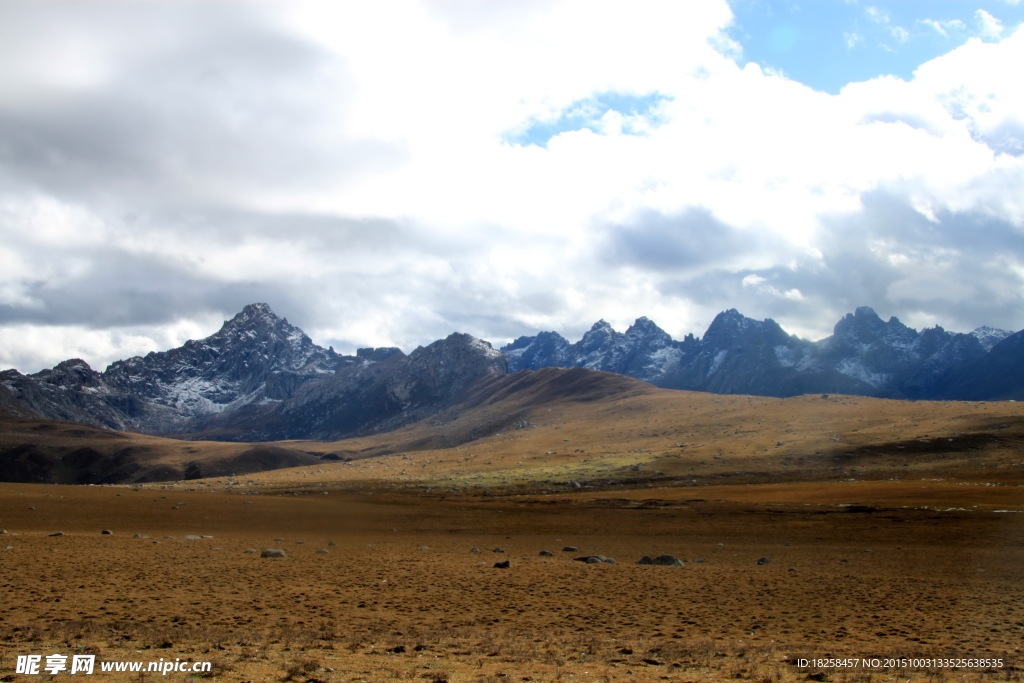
(826,527)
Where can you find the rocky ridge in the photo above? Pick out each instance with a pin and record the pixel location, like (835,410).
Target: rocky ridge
(261,378)
(865,356)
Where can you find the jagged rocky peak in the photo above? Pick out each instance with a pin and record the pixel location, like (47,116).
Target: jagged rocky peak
(459,346)
(258,320)
(71,372)
(546,349)
(731,327)
(644,326)
(864,326)
(600,336)
(989,336)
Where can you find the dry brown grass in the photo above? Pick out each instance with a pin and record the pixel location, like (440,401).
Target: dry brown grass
(914,558)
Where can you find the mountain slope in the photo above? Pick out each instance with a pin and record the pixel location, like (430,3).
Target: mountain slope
(377,396)
(739,355)
(260,377)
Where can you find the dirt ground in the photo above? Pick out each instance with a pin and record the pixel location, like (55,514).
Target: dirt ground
(402,587)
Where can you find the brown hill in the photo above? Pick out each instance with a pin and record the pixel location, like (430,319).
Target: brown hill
(55,452)
(576,428)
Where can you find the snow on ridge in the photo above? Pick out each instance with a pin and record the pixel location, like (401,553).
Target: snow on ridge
(661,361)
(717,361)
(852,367)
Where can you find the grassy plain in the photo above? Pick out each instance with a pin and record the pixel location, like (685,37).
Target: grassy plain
(812,527)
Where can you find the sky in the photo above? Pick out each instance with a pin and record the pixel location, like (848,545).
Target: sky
(384,174)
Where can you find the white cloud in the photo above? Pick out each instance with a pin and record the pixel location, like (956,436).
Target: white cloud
(945,27)
(352,164)
(988,26)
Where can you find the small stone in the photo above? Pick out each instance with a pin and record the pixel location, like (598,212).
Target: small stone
(503,565)
(545,553)
(106,532)
(570,549)
(57,533)
(763,560)
(273,552)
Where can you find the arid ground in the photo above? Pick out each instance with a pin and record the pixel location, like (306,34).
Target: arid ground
(815,527)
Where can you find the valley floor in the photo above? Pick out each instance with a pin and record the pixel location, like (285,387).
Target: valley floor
(386,586)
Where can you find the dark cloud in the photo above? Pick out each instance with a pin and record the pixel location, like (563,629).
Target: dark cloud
(220,102)
(960,270)
(674,242)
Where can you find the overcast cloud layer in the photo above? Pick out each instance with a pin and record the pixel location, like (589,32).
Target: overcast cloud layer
(387,173)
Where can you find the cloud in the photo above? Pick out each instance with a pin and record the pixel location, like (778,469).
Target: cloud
(369,172)
(988,26)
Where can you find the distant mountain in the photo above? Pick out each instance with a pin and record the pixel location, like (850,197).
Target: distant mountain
(999,375)
(257,376)
(261,378)
(373,396)
(738,355)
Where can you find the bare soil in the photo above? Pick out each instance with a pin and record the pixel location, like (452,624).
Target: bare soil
(809,528)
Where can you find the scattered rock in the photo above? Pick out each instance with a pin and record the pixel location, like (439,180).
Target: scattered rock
(323,551)
(398,649)
(570,549)
(662,560)
(503,565)
(474,550)
(763,560)
(192,537)
(545,553)
(595,559)
(499,550)
(57,533)
(251,551)
(273,552)
(106,532)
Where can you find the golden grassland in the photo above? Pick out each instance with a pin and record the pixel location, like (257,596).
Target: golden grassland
(810,527)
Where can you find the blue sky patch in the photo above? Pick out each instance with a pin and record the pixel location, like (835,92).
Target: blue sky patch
(826,44)
(638,114)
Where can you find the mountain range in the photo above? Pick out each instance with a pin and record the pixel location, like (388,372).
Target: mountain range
(738,355)
(260,378)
